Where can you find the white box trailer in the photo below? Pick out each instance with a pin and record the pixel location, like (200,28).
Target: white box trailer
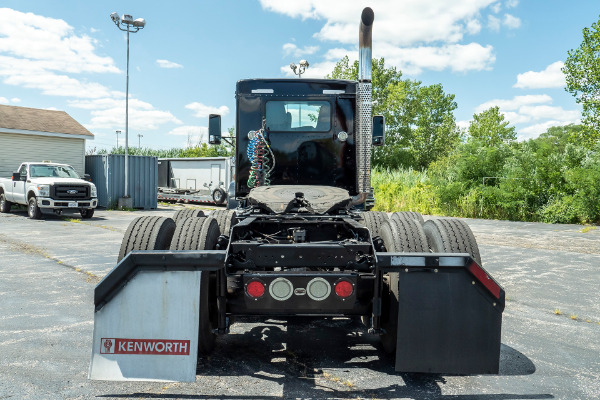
(194,180)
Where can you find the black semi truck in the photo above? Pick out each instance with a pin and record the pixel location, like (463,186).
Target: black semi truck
(302,242)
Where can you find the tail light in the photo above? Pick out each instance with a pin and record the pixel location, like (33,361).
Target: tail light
(281,289)
(255,289)
(318,289)
(344,288)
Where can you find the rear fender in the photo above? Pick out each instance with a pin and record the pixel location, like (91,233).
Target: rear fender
(449,314)
(146,316)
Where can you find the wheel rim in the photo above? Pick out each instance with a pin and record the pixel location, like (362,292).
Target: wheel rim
(31,208)
(2,202)
(218,196)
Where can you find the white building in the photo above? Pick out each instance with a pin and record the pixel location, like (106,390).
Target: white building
(31,134)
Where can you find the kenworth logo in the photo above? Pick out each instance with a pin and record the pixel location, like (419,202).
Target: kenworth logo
(145,346)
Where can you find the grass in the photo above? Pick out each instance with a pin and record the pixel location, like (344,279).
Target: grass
(587,229)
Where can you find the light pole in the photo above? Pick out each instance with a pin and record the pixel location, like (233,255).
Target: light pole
(140,136)
(118,133)
(299,70)
(127,24)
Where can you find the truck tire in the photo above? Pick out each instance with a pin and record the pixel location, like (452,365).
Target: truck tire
(219,196)
(225,218)
(374,220)
(188,213)
(5,205)
(147,233)
(451,235)
(399,235)
(409,214)
(32,208)
(87,213)
(201,234)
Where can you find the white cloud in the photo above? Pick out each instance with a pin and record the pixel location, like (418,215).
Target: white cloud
(551,77)
(193,134)
(110,114)
(168,64)
(293,50)
(4,100)
(496,7)
(493,23)
(473,26)
(512,3)
(535,110)
(201,110)
(537,129)
(15,100)
(511,22)
(405,23)
(515,103)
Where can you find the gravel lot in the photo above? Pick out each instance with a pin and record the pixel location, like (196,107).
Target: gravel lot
(551,325)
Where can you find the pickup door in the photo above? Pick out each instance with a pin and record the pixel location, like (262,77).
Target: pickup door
(18,187)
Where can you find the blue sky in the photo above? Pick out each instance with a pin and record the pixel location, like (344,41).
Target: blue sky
(68,55)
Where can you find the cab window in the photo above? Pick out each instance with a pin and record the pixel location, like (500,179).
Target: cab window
(289,116)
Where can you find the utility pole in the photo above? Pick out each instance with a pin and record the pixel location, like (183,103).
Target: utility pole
(140,136)
(118,133)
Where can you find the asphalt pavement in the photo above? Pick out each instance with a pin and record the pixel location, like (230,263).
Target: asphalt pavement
(550,337)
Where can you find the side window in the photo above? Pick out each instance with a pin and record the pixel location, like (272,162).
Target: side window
(23,170)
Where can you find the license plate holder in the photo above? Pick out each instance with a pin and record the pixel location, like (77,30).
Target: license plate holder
(72,204)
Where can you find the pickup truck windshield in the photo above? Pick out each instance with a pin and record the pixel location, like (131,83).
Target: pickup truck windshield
(288,116)
(49,171)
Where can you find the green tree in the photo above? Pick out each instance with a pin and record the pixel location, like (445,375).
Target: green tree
(582,73)
(420,124)
(490,128)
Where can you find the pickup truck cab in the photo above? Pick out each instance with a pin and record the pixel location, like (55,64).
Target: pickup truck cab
(48,188)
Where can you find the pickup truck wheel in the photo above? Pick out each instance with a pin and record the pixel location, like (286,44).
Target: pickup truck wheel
(188,213)
(87,213)
(201,234)
(451,235)
(5,205)
(399,235)
(374,220)
(225,218)
(409,214)
(32,209)
(147,233)
(219,196)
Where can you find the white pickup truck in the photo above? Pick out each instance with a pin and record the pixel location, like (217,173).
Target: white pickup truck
(48,188)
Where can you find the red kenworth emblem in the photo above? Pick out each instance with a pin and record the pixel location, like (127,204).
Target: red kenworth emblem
(107,345)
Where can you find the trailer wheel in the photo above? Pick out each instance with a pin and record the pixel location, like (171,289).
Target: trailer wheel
(409,214)
(374,221)
(201,234)
(188,213)
(451,235)
(5,205)
(32,208)
(219,196)
(399,235)
(225,218)
(147,233)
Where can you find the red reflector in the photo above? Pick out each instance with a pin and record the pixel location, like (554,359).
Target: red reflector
(344,288)
(255,289)
(484,279)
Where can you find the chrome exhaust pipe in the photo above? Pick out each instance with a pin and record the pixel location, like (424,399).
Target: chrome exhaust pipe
(364,45)
(364,134)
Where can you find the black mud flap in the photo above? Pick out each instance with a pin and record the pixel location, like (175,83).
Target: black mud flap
(449,316)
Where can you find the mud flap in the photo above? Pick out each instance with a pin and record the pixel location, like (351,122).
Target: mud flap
(448,322)
(149,329)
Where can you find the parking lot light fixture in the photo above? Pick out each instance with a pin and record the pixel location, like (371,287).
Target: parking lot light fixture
(126,23)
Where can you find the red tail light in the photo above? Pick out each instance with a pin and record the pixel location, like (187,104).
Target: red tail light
(255,289)
(344,289)
(485,279)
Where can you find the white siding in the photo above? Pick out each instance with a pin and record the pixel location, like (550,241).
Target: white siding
(15,149)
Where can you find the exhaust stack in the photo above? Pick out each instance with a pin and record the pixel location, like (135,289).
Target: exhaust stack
(364,45)
(364,124)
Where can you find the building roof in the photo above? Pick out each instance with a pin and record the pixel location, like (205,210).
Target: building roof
(15,119)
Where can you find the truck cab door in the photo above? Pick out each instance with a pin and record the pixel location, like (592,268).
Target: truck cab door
(18,189)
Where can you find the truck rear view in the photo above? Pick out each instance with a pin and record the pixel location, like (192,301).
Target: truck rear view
(302,243)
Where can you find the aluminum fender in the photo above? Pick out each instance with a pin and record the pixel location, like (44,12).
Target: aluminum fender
(146,318)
